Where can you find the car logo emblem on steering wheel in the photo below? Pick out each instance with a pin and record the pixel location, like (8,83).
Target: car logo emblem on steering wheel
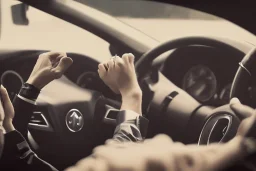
(74,120)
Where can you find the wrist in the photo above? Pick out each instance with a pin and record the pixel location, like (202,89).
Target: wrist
(33,83)
(135,95)
(29,91)
(132,101)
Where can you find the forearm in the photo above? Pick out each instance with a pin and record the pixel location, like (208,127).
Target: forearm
(132,101)
(131,126)
(24,104)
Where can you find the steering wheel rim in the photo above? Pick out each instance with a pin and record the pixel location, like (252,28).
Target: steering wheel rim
(144,64)
(243,76)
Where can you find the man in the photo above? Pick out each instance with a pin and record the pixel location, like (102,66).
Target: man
(119,75)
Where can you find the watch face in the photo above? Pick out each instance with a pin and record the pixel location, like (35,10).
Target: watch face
(29,91)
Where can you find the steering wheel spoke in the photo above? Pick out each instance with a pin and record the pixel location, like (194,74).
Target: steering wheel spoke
(68,113)
(170,109)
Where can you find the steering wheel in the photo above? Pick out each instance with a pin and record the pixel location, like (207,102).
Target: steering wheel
(182,108)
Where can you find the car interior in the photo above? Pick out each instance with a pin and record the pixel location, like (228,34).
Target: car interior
(187,82)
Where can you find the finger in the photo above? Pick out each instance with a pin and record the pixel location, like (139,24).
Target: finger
(234,101)
(131,58)
(106,66)
(102,67)
(56,55)
(55,60)
(52,56)
(103,150)
(90,163)
(7,104)
(110,64)
(161,139)
(102,70)
(64,64)
(119,61)
(247,127)
(114,144)
(73,168)
(86,164)
(125,57)
(242,111)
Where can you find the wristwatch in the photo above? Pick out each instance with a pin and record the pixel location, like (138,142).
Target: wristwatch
(29,91)
(128,116)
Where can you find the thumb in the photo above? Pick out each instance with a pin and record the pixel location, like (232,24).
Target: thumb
(63,65)
(247,116)
(242,111)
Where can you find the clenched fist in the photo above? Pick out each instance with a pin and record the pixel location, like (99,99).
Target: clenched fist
(119,74)
(49,66)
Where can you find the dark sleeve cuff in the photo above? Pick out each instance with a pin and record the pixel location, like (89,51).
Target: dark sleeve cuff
(23,110)
(15,146)
(15,136)
(127,116)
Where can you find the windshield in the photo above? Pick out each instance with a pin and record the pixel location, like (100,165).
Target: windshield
(159,21)
(164,21)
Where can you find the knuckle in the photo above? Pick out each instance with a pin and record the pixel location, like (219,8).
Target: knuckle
(70,169)
(62,53)
(43,55)
(120,63)
(40,56)
(57,73)
(125,54)
(162,137)
(131,54)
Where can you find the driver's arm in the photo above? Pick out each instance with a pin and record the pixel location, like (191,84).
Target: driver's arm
(17,155)
(24,105)
(120,76)
(49,66)
(131,125)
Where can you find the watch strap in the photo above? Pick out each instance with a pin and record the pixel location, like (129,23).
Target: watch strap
(29,91)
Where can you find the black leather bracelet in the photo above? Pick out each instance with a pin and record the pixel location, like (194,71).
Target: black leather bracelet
(29,91)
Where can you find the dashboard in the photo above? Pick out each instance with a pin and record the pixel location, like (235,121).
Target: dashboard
(206,73)
(83,73)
